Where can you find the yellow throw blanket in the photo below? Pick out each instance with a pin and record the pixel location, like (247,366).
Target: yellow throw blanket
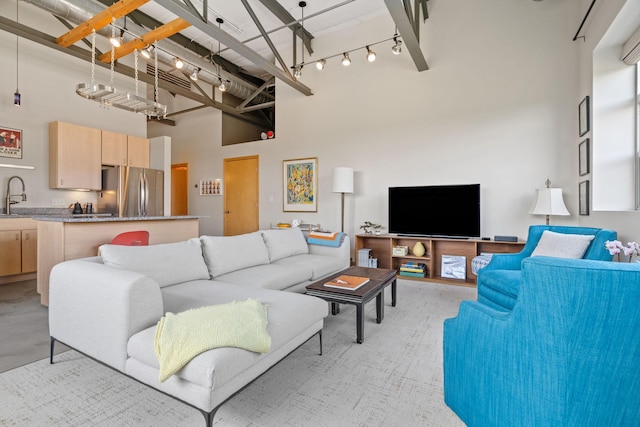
(181,337)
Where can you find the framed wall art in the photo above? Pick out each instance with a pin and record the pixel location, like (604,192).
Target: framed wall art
(10,143)
(583,116)
(300,185)
(583,197)
(583,157)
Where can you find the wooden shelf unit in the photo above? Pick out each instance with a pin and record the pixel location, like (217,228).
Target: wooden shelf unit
(382,248)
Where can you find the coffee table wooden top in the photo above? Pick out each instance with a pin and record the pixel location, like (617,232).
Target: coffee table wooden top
(377,277)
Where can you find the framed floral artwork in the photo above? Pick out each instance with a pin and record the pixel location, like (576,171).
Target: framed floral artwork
(300,185)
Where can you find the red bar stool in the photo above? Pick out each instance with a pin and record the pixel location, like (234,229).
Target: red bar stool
(132,238)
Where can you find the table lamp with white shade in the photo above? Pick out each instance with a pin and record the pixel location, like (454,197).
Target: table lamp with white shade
(549,202)
(342,183)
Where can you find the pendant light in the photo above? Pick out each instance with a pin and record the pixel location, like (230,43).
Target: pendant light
(221,87)
(16,96)
(297,70)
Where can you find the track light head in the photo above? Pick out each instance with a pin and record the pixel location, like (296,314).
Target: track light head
(117,41)
(178,63)
(371,55)
(222,87)
(146,52)
(194,74)
(397,47)
(346,61)
(297,71)
(320,64)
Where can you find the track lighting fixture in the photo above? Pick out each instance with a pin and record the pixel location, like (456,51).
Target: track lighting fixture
(371,55)
(178,63)
(117,41)
(346,61)
(297,72)
(146,52)
(320,64)
(397,47)
(194,74)
(222,87)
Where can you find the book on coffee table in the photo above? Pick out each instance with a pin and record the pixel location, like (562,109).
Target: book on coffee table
(345,281)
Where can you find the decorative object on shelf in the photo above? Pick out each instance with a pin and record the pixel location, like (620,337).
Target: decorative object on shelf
(548,202)
(454,266)
(419,249)
(10,143)
(400,250)
(583,117)
(342,183)
(583,197)
(368,225)
(211,187)
(615,247)
(300,185)
(583,157)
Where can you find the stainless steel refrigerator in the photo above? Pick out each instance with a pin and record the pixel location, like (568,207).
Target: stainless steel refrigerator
(131,192)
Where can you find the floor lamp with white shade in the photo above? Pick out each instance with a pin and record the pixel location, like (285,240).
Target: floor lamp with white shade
(342,183)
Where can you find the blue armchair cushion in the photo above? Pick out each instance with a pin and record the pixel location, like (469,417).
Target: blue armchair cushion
(501,288)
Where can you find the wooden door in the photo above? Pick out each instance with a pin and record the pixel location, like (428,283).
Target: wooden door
(241,189)
(10,253)
(179,189)
(29,250)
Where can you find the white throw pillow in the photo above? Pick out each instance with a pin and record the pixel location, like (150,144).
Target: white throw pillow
(167,263)
(561,245)
(285,243)
(224,254)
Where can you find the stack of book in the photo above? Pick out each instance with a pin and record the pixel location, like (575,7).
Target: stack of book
(413,269)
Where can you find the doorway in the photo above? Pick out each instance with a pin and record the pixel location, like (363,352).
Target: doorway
(241,189)
(179,189)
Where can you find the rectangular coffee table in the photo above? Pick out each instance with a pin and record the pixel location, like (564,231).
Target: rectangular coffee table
(379,278)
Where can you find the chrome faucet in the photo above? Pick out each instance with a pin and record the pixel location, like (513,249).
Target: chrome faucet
(8,201)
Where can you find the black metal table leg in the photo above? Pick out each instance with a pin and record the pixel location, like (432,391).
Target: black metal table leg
(335,308)
(359,323)
(380,306)
(393,293)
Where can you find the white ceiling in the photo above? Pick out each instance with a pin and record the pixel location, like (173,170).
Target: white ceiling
(321,16)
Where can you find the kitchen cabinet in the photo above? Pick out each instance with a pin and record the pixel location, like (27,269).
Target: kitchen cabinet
(18,247)
(121,149)
(74,157)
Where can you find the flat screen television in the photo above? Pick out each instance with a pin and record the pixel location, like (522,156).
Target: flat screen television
(435,210)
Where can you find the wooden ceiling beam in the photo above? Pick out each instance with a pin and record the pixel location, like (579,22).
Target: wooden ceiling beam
(101,20)
(146,39)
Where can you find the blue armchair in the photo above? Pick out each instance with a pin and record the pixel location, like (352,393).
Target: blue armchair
(567,354)
(499,281)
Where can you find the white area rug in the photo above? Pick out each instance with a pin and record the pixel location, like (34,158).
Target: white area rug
(393,379)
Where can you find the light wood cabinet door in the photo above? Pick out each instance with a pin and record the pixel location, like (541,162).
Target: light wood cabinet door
(10,252)
(114,148)
(138,151)
(29,250)
(75,154)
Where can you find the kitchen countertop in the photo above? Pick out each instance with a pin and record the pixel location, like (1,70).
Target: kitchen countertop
(98,218)
(65,215)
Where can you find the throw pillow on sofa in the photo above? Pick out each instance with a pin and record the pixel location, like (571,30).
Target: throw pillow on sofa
(562,245)
(167,263)
(285,243)
(224,254)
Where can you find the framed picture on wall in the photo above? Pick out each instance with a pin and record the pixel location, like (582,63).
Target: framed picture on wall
(300,185)
(10,143)
(583,157)
(583,197)
(583,116)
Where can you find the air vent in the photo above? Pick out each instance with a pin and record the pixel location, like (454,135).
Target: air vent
(169,78)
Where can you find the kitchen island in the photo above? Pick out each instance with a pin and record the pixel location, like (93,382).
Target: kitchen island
(62,238)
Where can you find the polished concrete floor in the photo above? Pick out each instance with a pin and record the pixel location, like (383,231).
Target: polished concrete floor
(24,326)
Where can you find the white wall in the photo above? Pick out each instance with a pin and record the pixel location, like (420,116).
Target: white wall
(47,83)
(497,108)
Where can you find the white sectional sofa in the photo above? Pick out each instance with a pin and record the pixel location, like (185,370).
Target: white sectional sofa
(108,307)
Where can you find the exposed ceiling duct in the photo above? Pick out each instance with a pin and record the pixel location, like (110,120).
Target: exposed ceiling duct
(78,11)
